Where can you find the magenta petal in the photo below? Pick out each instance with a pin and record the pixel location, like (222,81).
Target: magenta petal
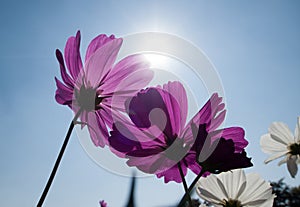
(207,113)
(66,78)
(128,76)
(190,159)
(217,121)
(145,152)
(173,174)
(237,134)
(96,127)
(149,164)
(121,140)
(176,103)
(63,93)
(96,43)
(107,115)
(72,55)
(102,60)
(147,108)
(141,105)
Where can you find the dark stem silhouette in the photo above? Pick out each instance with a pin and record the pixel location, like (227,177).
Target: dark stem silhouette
(57,162)
(185,185)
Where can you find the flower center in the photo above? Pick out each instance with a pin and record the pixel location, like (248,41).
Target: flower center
(231,203)
(88,99)
(295,149)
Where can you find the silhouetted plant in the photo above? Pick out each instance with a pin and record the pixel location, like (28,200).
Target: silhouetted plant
(286,196)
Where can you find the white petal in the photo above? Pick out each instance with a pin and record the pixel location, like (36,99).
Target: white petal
(284,160)
(269,202)
(281,133)
(209,189)
(292,165)
(257,191)
(269,145)
(275,156)
(234,182)
(297,130)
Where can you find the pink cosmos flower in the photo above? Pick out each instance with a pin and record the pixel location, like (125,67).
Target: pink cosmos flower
(99,87)
(160,138)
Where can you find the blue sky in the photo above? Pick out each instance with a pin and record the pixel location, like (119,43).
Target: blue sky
(253,45)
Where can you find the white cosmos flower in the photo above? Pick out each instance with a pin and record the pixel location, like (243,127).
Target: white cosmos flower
(235,189)
(280,142)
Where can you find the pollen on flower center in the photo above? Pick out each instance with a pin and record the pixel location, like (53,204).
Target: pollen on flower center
(231,203)
(88,99)
(294,149)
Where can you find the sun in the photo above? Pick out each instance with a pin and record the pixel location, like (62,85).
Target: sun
(157,60)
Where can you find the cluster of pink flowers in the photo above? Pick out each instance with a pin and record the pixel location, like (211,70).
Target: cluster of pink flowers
(155,136)
(149,126)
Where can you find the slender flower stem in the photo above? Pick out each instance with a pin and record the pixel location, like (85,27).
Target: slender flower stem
(191,187)
(62,150)
(185,185)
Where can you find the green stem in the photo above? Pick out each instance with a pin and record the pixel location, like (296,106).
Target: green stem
(183,199)
(62,150)
(185,185)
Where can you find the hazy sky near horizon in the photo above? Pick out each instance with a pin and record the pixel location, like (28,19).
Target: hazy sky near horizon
(254,46)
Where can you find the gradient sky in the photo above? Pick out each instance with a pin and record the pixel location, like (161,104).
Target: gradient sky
(254,46)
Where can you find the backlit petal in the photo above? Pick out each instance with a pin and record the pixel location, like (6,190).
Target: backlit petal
(209,189)
(96,43)
(270,146)
(234,183)
(292,165)
(257,191)
(102,60)
(72,55)
(281,133)
(177,104)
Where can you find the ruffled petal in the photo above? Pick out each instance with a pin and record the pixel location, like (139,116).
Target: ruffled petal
(126,138)
(97,43)
(72,55)
(257,191)
(100,62)
(65,76)
(128,76)
(177,104)
(122,141)
(212,113)
(173,174)
(234,183)
(63,93)
(270,146)
(237,135)
(190,159)
(147,108)
(96,127)
(281,133)
(150,164)
(128,88)
(209,189)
